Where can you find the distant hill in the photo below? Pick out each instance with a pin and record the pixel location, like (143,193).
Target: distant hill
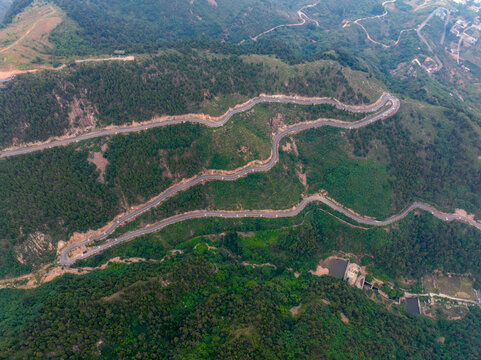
(4,5)
(15,7)
(110,24)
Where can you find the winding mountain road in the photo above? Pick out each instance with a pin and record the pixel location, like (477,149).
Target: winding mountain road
(423,39)
(302,15)
(418,29)
(263,167)
(385,46)
(200,119)
(268,214)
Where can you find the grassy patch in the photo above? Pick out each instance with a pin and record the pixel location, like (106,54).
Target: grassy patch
(24,43)
(452,285)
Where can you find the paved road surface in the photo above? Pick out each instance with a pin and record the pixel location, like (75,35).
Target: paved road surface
(385,46)
(446,22)
(66,260)
(385,99)
(200,120)
(302,15)
(423,39)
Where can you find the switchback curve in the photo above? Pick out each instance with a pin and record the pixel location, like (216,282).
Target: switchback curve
(268,214)
(262,167)
(203,119)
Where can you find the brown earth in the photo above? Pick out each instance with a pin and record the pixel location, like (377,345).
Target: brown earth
(123,58)
(97,158)
(81,115)
(294,146)
(344,319)
(30,32)
(464,213)
(287,147)
(295,310)
(320,271)
(245,263)
(8,73)
(301,175)
(49,272)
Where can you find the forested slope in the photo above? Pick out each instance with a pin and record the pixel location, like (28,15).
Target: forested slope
(107,25)
(35,107)
(58,191)
(204,304)
(238,288)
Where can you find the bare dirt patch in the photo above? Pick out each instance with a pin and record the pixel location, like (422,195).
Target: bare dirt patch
(119,58)
(7,74)
(212,2)
(36,245)
(325,302)
(295,310)
(301,175)
(27,37)
(97,158)
(277,121)
(464,213)
(245,263)
(344,319)
(287,147)
(294,146)
(81,115)
(50,273)
(320,271)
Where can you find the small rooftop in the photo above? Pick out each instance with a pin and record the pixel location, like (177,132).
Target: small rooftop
(412,306)
(337,268)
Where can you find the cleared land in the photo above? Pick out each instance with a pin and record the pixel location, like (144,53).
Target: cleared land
(452,285)
(24,43)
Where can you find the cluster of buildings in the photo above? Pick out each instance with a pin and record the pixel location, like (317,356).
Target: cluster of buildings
(352,273)
(461,26)
(430,65)
(460,29)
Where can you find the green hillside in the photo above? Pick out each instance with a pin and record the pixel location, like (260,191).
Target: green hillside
(235,287)
(203,304)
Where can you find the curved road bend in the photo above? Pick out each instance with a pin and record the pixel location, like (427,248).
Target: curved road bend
(386,98)
(66,260)
(302,15)
(423,39)
(418,30)
(283,99)
(358,22)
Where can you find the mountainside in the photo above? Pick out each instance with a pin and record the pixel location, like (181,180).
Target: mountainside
(141,24)
(251,179)
(4,5)
(205,305)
